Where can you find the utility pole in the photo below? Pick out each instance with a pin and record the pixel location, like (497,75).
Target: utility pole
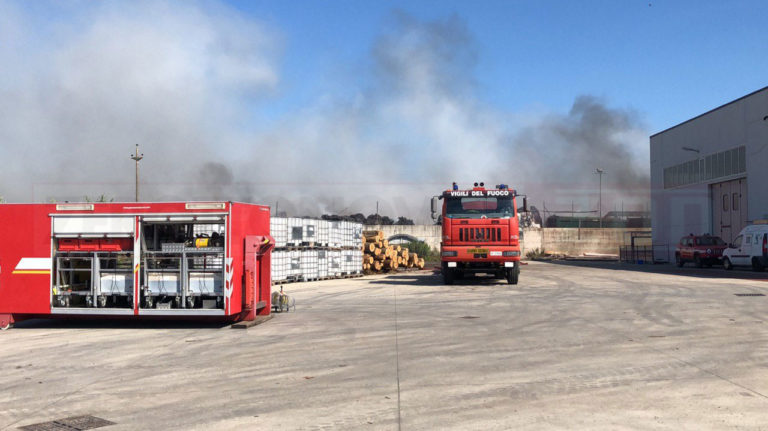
(136,157)
(600,172)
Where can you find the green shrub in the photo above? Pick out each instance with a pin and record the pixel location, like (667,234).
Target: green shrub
(536,253)
(422,249)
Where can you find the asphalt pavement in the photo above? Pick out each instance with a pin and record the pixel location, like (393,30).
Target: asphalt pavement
(575,345)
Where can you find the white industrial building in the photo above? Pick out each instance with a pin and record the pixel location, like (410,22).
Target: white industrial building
(710,174)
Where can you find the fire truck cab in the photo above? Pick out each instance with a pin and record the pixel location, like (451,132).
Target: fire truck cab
(480,232)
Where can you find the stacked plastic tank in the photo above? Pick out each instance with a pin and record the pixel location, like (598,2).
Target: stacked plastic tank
(311,249)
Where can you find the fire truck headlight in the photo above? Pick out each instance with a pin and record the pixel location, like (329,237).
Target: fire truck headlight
(709,251)
(450,253)
(511,253)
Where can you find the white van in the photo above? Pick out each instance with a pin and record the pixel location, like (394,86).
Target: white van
(750,248)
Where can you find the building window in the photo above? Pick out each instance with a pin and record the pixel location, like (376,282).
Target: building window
(725,202)
(735,203)
(723,164)
(742,159)
(720,165)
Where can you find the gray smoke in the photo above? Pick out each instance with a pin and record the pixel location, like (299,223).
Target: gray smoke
(185,81)
(562,152)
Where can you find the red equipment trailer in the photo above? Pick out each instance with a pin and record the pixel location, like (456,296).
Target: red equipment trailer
(175,259)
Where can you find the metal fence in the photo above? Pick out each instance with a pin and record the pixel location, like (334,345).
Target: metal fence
(644,253)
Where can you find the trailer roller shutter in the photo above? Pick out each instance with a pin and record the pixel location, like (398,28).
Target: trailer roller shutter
(110,227)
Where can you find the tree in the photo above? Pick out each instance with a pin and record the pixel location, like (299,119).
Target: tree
(403,221)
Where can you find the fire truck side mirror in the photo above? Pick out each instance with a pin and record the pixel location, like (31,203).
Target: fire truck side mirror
(525,204)
(434,207)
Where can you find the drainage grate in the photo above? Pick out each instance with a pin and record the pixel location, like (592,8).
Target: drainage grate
(469,317)
(75,423)
(749,294)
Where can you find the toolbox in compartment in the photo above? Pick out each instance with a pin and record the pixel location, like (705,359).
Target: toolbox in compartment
(69,244)
(115,244)
(89,244)
(95,244)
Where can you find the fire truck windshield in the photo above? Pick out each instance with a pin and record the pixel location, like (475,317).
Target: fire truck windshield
(479,207)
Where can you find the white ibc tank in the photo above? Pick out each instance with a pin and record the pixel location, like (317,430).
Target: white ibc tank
(295,231)
(323,232)
(279,265)
(322,263)
(294,264)
(334,263)
(278,228)
(309,268)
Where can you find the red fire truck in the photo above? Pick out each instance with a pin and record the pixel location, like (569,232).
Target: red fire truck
(480,232)
(182,259)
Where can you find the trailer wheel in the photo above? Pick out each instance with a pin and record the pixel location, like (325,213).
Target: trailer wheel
(5,322)
(513,275)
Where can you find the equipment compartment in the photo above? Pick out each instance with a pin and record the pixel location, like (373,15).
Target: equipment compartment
(92,279)
(182,265)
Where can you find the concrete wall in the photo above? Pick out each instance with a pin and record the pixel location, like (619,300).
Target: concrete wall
(570,241)
(675,212)
(428,233)
(576,242)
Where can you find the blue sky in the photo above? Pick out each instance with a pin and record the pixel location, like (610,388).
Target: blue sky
(669,60)
(320,103)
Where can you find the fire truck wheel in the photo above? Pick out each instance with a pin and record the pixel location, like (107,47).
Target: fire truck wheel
(697,261)
(679,261)
(513,275)
(727,264)
(448,276)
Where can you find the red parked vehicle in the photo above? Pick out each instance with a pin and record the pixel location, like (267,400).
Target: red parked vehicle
(700,249)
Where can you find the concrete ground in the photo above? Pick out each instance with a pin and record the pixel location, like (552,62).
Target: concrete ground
(573,346)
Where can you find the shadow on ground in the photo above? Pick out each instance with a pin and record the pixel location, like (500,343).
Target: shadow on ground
(425,278)
(671,269)
(112,323)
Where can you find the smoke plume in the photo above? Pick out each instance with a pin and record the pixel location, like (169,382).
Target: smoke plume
(185,81)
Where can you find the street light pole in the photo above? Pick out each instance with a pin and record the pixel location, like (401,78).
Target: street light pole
(600,172)
(136,157)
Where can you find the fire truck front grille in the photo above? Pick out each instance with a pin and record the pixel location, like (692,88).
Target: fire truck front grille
(480,234)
